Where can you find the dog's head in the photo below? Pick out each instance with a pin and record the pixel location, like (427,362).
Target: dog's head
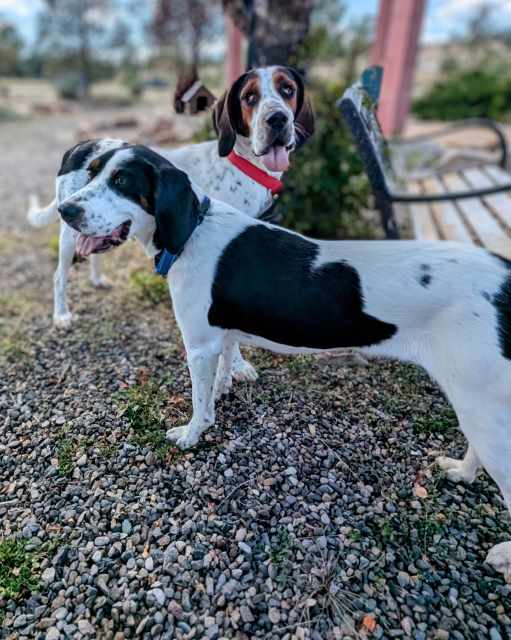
(269,107)
(132,192)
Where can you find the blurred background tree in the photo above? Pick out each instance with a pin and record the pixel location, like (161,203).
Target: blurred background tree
(11,45)
(180,27)
(71,33)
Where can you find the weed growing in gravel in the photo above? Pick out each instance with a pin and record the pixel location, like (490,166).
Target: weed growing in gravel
(440,422)
(326,602)
(67,450)
(280,552)
(150,286)
(142,406)
(18,569)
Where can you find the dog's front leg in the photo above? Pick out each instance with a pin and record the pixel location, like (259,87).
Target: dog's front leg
(203,366)
(61,315)
(99,281)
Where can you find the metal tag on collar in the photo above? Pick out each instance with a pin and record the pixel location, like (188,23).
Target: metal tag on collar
(164,261)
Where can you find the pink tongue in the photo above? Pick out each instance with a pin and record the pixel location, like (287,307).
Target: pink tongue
(85,245)
(277,159)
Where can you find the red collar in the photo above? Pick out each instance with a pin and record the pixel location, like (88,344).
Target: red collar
(269,182)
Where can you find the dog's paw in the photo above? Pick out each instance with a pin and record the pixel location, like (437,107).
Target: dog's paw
(63,321)
(456,470)
(183,437)
(243,371)
(102,282)
(499,557)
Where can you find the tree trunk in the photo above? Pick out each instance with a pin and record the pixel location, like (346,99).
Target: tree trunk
(275,29)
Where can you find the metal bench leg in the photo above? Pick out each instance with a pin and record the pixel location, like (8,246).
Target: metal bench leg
(387,219)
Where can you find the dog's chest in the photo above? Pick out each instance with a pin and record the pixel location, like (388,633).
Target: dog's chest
(266,285)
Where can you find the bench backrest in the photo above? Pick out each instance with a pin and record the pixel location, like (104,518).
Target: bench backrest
(358,108)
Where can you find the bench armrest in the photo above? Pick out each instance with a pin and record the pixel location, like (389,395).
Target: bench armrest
(469,123)
(453,195)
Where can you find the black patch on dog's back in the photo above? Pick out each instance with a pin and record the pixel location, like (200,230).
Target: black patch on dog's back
(76,157)
(265,285)
(502,303)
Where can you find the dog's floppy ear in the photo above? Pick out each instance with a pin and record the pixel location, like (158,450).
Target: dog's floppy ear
(304,116)
(227,118)
(176,209)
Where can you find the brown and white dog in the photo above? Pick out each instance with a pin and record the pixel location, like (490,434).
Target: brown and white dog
(262,118)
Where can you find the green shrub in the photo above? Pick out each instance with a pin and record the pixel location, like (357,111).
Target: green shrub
(326,188)
(150,286)
(467,94)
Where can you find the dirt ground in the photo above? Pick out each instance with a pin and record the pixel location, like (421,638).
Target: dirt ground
(312,510)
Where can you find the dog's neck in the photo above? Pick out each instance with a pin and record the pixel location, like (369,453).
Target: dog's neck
(243,148)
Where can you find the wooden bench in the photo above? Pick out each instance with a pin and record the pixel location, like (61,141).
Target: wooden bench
(469,205)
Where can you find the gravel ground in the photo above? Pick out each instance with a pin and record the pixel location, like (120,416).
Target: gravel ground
(312,509)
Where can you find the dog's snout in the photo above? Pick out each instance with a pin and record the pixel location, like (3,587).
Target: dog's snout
(70,211)
(277,120)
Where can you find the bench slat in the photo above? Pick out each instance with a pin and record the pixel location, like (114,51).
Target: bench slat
(446,215)
(497,174)
(480,219)
(499,203)
(423,225)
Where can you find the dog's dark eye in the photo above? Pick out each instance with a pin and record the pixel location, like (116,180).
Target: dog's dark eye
(287,91)
(250,98)
(120,181)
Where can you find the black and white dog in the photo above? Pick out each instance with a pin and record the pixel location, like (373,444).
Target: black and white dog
(444,306)
(264,116)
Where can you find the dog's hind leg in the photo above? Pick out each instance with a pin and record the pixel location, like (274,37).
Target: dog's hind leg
(461,470)
(61,315)
(494,450)
(486,422)
(98,280)
(223,380)
(241,369)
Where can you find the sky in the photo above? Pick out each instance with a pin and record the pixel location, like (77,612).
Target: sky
(443,17)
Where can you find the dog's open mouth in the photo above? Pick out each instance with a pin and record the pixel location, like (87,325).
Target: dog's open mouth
(85,245)
(276,158)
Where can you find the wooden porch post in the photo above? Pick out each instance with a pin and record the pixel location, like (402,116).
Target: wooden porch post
(233,61)
(395,48)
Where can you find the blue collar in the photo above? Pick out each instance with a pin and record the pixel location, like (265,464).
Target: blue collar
(164,260)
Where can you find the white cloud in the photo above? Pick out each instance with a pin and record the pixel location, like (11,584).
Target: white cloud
(20,7)
(455,8)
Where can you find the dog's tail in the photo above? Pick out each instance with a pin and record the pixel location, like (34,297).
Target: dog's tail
(41,217)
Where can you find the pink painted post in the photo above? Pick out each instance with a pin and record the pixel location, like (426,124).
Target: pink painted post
(397,38)
(233,62)
(382,27)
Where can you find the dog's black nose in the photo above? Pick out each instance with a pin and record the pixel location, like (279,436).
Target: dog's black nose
(70,211)
(277,120)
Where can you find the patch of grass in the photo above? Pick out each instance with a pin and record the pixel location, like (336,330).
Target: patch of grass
(53,247)
(300,365)
(18,569)
(142,405)
(439,422)
(150,286)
